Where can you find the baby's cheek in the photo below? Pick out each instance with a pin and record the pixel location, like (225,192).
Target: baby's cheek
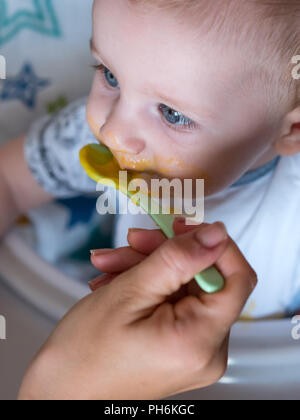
(95,114)
(187,174)
(90,111)
(93,126)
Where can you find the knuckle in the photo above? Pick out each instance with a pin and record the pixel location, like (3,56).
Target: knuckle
(212,368)
(171,255)
(124,297)
(204,364)
(217,372)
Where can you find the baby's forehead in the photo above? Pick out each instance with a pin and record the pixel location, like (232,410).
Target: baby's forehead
(239,25)
(192,55)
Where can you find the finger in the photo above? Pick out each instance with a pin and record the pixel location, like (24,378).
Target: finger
(142,240)
(117,260)
(241,280)
(145,241)
(101,281)
(225,306)
(227,265)
(169,267)
(181,227)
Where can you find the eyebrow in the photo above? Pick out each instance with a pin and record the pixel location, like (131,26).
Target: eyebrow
(92,45)
(93,48)
(205,114)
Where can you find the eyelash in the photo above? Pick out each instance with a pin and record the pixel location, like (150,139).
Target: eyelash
(101,68)
(190,126)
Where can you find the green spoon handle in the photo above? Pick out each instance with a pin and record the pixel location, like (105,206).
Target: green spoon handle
(209,280)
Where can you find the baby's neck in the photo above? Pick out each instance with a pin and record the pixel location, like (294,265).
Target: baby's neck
(267,157)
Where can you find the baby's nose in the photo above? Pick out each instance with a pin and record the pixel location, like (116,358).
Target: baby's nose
(130,145)
(134,145)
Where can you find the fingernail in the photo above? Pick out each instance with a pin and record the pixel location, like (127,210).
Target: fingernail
(102,280)
(94,283)
(180,220)
(133,230)
(212,235)
(95,252)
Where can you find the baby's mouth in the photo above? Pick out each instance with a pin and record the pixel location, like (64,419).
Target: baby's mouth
(134,164)
(148,175)
(140,168)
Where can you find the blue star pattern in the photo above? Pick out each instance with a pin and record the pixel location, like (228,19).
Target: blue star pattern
(40,18)
(81,209)
(24,87)
(294,306)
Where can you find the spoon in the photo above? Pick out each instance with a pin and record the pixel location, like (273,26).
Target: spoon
(100,165)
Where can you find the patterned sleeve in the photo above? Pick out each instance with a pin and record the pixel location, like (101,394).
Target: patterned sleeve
(52,151)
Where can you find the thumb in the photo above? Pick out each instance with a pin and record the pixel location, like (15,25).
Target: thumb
(172,265)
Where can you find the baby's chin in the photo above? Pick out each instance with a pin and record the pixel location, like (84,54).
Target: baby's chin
(200,183)
(164,187)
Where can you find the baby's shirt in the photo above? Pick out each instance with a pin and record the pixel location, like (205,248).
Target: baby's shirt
(260,211)
(52,151)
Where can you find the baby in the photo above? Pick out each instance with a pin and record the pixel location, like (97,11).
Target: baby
(187,89)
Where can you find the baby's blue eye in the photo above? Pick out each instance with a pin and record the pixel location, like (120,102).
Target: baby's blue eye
(110,78)
(176,118)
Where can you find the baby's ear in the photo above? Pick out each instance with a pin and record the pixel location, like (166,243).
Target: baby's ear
(289,141)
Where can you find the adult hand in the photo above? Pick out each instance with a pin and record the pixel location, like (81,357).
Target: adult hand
(126,341)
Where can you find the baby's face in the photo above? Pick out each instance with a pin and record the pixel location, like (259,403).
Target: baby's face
(173,104)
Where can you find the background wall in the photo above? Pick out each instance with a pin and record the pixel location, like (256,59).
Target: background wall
(46,47)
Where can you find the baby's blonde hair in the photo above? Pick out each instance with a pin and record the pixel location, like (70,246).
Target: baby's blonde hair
(276,22)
